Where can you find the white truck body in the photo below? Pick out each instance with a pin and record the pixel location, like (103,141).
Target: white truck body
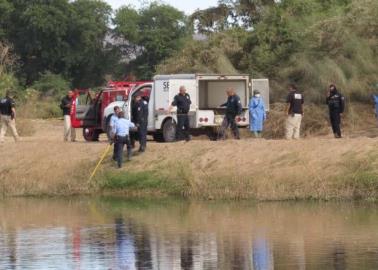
(207,93)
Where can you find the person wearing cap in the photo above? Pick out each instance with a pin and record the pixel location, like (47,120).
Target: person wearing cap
(141,121)
(122,137)
(257,114)
(8,117)
(336,105)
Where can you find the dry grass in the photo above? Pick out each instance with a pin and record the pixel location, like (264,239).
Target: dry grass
(316,167)
(257,169)
(43,164)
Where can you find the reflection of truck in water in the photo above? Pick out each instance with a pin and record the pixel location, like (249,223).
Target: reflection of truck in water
(87,111)
(207,93)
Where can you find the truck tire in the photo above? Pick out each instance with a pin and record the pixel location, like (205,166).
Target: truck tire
(91,134)
(158,137)
(169,131)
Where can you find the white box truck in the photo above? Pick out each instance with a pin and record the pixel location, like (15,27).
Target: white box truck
(207,93)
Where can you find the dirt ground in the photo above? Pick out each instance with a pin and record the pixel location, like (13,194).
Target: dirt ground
(44,164)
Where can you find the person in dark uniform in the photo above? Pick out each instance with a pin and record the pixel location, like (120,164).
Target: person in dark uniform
(8,116)
(294,111)
(336,106)
(141,121)
(182,102)
(233,108)
(122,137)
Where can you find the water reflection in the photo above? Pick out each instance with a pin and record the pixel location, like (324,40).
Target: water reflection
(121,234)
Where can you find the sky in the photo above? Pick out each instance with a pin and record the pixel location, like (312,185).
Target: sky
(188,6)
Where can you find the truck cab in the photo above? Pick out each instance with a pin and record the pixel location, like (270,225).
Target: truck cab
(207,93)
(88,108)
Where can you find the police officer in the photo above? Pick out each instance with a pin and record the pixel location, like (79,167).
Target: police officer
(336,105)
(141,121)
(113,120)
(7,117)
(233,108)
(122,137)
(182,102)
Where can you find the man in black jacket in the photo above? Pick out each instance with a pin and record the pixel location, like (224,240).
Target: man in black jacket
(336,105)
(141,121)
(233,109)
(66,105)
(182,102)
(7,117)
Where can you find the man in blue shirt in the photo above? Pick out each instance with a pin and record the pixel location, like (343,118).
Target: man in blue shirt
(111,131)
(122,137)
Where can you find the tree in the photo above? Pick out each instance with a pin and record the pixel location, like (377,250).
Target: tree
(62,37)
(153,34)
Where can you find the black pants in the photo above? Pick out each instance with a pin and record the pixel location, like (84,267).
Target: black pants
(142,135)
(182,131)
(229,121)
(334,116)
(115,149)
(119,144)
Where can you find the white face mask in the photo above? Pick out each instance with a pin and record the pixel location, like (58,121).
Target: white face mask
(257,95)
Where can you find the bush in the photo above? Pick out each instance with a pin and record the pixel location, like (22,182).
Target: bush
(8,82)
(38,106)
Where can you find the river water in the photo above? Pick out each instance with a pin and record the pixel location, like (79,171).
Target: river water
(114,233)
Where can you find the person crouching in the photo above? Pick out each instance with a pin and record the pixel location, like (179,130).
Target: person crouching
(122,137)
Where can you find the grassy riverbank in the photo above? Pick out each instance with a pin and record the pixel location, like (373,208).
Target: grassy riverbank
(317,167)
(253,169)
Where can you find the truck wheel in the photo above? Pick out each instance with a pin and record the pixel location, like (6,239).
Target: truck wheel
(158,137)
(169,131)
(91,134)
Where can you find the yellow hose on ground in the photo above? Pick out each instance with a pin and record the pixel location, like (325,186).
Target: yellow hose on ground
(100,161)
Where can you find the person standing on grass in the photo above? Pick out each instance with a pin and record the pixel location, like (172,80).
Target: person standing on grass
(141,121)
(182,101)
(233,108)
(66,105)
(257,114)
(8,117)
(294,111)
(336,104)
(112,123)
(122,138)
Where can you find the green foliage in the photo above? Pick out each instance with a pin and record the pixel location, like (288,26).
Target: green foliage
(8,82)
(308,42)
(51,85)
(6,9)
(63,37)
(153,34)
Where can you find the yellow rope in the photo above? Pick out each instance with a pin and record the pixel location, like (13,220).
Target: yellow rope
(100,161)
